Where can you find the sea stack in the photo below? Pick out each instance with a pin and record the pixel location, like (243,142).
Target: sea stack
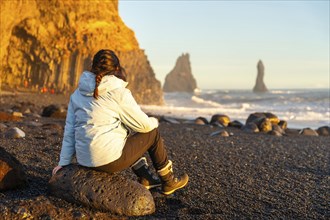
(180,79)
(260,85)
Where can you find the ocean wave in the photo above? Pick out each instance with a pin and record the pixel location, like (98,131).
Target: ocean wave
(205,102)
(297,107)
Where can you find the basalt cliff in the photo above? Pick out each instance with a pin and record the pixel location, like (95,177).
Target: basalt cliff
(260,86)
(47,44)
(180,79)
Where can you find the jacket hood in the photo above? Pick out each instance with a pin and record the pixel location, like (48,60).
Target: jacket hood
(87,83)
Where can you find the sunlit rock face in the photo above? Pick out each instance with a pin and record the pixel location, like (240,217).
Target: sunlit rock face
(180,79)
(49,43)
(260,85)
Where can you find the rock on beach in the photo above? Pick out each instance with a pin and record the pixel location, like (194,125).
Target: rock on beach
(102,191)
(11,171)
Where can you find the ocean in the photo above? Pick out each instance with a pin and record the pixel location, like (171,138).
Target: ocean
(300,108)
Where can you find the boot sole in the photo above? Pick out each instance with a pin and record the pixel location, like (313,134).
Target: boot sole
(152,186)
(172,191)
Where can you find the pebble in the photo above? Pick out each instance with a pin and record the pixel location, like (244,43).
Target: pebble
(222,133)
(17,114)
(324,131)
(170,120)
(308,132)
(2,126)
(14,132)
(275,133)
(33,124)
(250,128)
(201,121)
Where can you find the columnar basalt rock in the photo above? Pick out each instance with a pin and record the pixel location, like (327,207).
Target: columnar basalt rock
(45,45)
(102,191)
(180,79)
(260,85)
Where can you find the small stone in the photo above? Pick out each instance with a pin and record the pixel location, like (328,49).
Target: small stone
(275,133)
(11,171)
(235,124)
(33,115)
(60,114)
(278,129)
(14,133)
(292,132)
(2,126)
(250,128)
(283,124)
(308,132)
(201,121)
(33,124)
(221,119)
(17,114)
(27,111)
(169,120)
(324,131)
(49,110)
(222,133)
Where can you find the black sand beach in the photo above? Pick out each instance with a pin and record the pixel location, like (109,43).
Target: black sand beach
(244,176)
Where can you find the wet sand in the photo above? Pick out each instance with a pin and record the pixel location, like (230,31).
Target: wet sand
(253,176)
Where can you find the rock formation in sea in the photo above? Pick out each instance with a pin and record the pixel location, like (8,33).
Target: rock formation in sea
(47,44)
(180,79)
(260,85)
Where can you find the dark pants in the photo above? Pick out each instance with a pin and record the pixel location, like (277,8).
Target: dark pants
(136,145)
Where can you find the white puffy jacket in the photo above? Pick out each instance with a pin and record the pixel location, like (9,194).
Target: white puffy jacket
(96,129)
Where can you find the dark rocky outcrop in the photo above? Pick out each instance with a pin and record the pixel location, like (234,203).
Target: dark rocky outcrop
(220,119)
(180,79)
(201,121)
(250,128)
(102,191)
(308,132)
(260,85)
(57,40)
(11,171)
(323,131)
(235,124)
(265,122)
(54,111)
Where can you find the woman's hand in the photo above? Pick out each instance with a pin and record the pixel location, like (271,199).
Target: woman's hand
(56,169)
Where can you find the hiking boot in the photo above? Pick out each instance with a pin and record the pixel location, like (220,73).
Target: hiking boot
(170,183)
(144,174)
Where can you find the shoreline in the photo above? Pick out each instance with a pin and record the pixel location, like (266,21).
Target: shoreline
(168,111)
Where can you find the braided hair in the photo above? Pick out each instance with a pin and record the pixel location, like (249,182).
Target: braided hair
(105,62)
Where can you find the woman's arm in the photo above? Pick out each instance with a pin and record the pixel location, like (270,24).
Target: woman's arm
(132,116)
(68,144)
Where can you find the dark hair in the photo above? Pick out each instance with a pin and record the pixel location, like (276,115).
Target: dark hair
(105,62)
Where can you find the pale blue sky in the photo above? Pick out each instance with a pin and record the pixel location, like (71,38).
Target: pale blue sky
(225,40)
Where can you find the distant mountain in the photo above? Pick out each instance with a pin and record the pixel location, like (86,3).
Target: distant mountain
(49,43)
(260,85)
(180,79)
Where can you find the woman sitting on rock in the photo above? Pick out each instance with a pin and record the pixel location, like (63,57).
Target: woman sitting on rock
(101,115)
